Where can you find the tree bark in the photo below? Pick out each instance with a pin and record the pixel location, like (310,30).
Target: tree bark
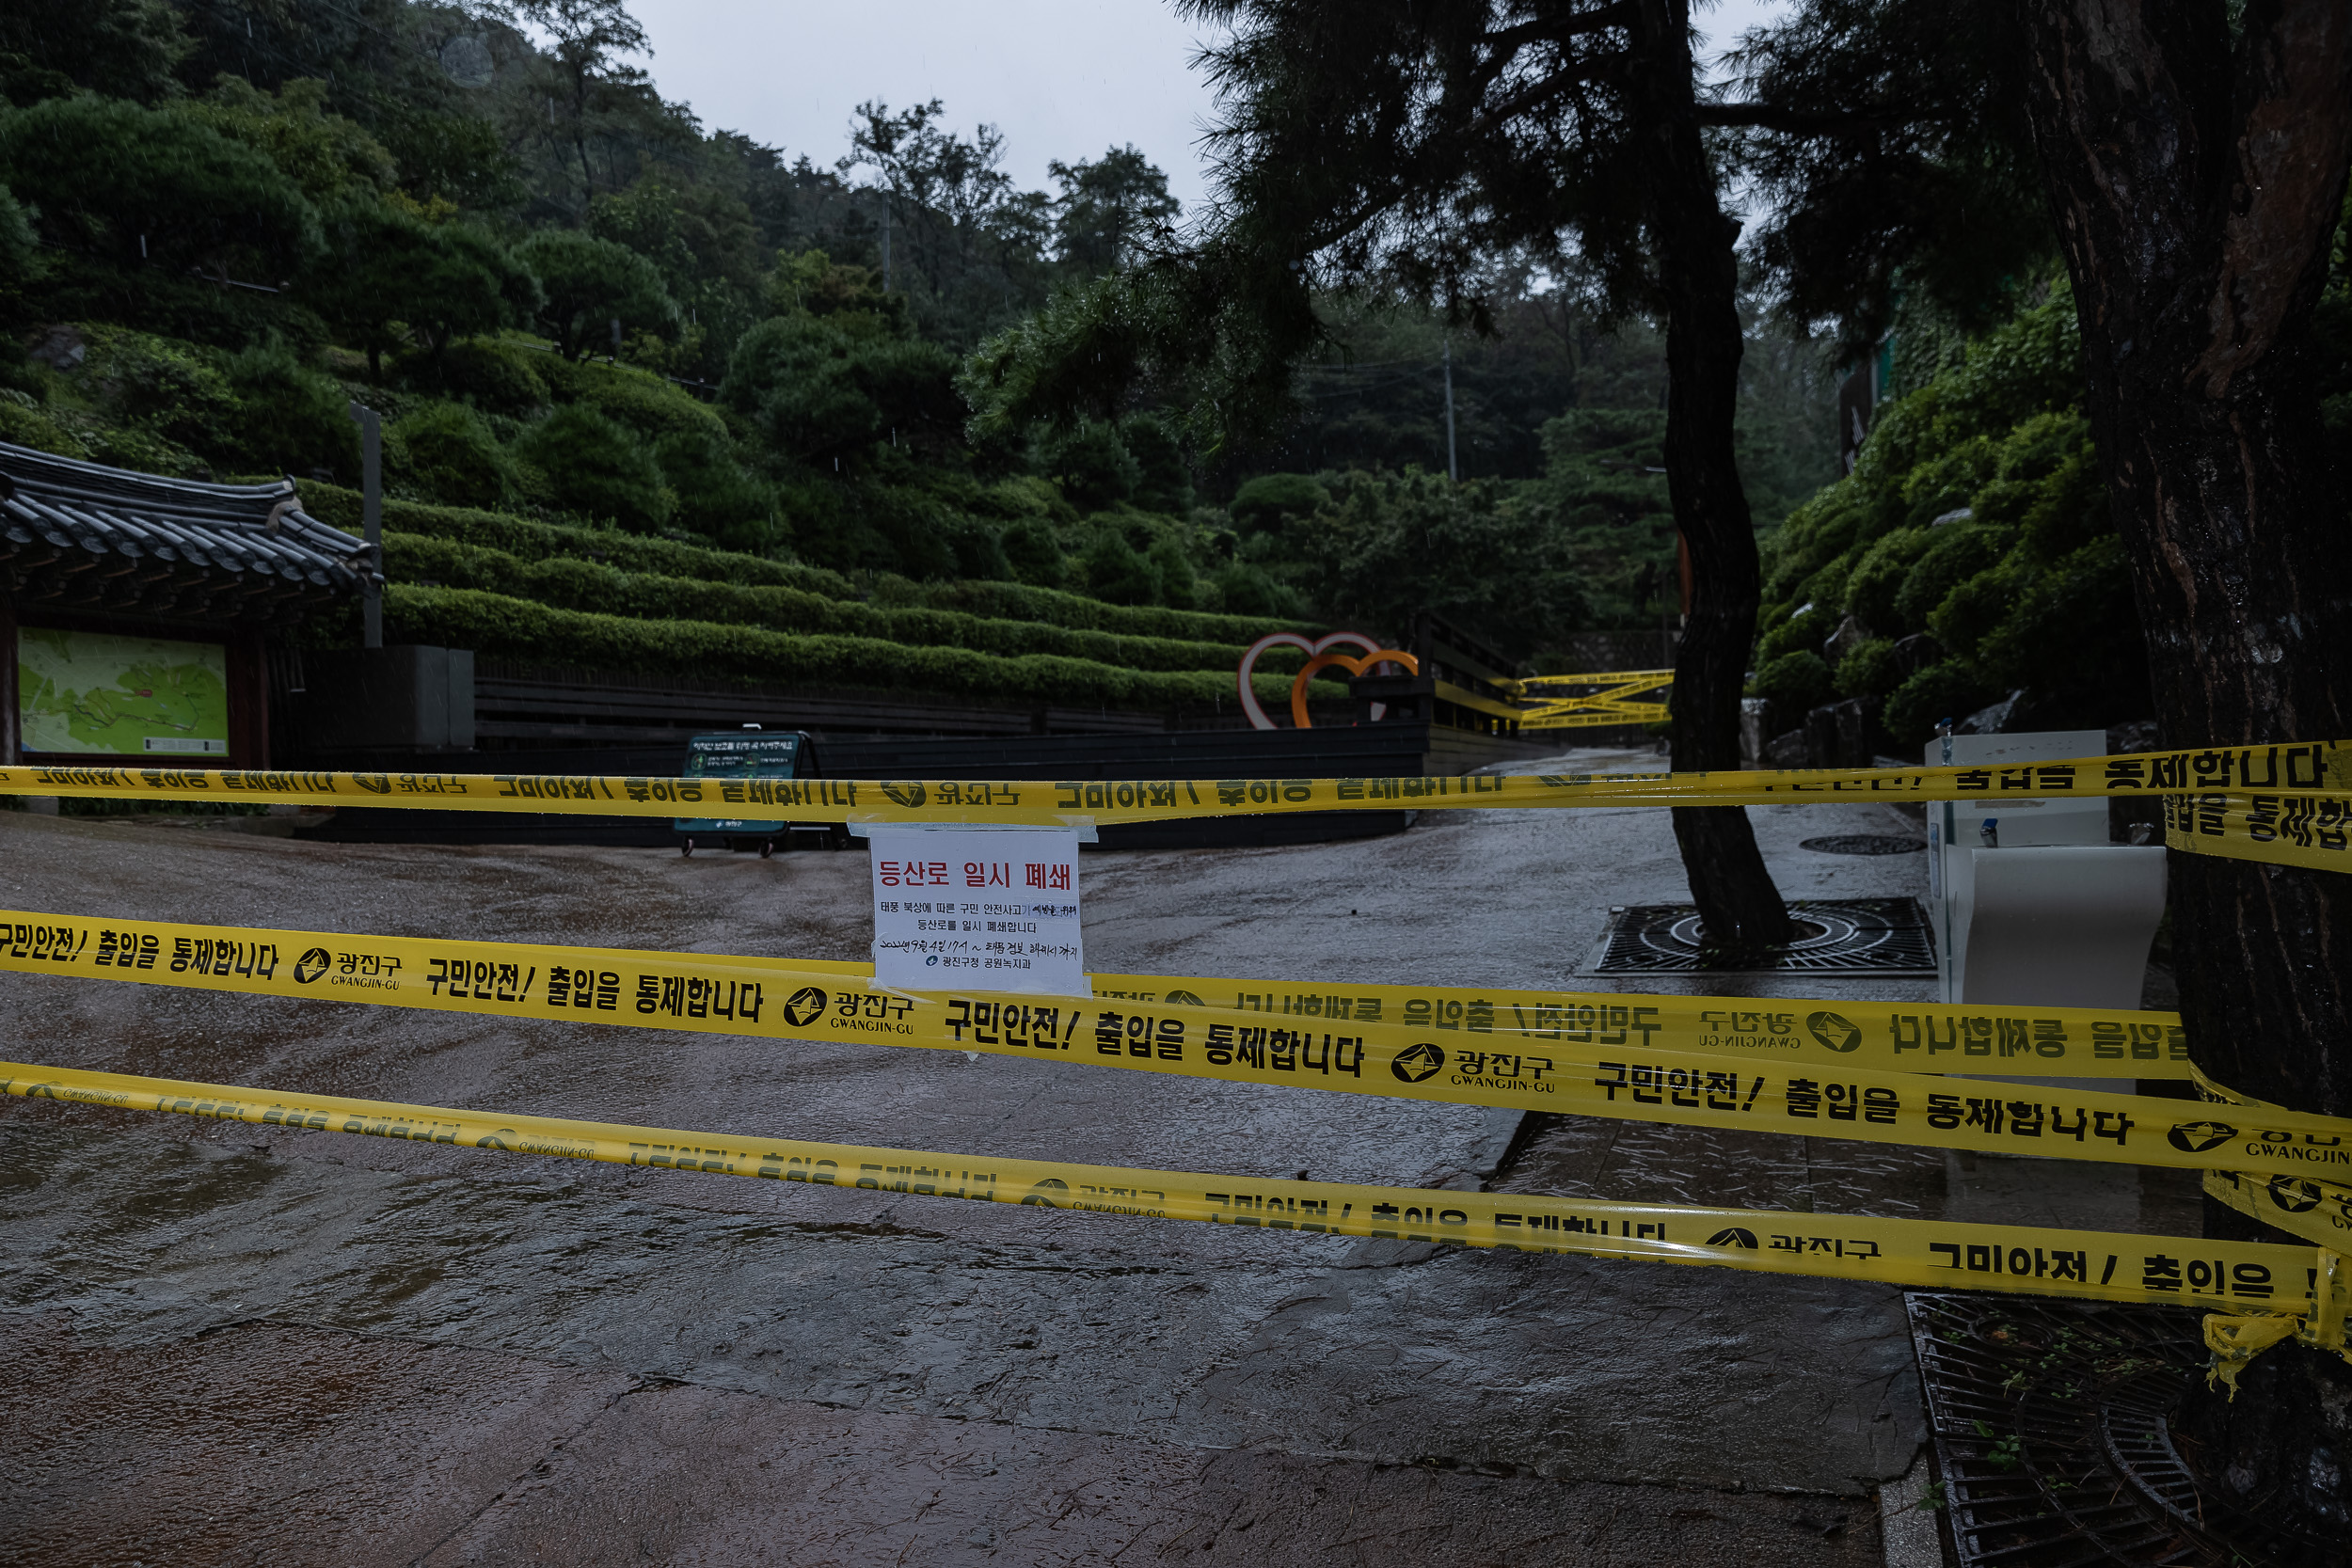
(1741,910)
(2196,178)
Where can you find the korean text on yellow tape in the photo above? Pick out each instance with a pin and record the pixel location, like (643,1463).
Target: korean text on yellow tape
(2093,1265)
(1620,1073)
(2289,804)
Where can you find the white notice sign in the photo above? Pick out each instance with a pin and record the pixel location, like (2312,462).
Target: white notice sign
(992,908)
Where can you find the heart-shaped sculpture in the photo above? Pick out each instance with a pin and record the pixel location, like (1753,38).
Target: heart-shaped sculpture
(1354,667)
(1313,650)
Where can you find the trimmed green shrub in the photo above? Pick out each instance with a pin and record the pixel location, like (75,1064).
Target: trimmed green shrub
(1957,552)
(1033,554)
(585,585)
(915,526)
(2029,591)
(1269,500)
(1015,602)
(1093,467)
(2075,625)
(639,399)
(1179,584)
(980,551)
(498,375)
(290,418)
(1869,668)
(515,629)
(1974,607)
(1803,632)
(597,468)
(24,423)
(1244,590)
(129,447)
(1020,496)
(1878,576)
(1793,682)
(717,495)
(535,540)
(1945,481)
(1115,573)
(445,451)
(163,385)
(1951,690)
(999,601)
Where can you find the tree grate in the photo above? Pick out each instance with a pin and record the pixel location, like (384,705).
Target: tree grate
(1882,937)
(2052,1442)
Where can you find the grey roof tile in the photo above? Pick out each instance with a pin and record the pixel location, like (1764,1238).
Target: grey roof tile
(221,543)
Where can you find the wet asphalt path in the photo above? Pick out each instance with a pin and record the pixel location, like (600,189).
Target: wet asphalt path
(236,1344)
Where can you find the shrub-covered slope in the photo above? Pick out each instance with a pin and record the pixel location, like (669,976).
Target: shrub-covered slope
(1969,554)
(500,626)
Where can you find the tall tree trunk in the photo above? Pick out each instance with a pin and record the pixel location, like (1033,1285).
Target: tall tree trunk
(1698,277)
(2196,178)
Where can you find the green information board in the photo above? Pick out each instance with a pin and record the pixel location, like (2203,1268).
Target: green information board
(93,692)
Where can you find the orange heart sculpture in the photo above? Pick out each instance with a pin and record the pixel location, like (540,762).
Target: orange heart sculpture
(1353,666)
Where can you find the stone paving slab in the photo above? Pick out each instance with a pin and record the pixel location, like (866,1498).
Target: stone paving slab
(269,1444)
(1556,1367)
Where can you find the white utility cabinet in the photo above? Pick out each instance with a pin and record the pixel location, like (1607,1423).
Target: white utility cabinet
(2054,916)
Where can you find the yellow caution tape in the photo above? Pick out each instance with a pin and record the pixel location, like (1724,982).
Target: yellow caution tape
(2308,831)
(1897,1037)
(1610,703)
(2318,774)
(2319,1212)
(2236,1338)
(2093,1265)
(1600,1067)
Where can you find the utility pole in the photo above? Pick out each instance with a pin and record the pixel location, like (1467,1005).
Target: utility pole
(370,523)
(1452,470)
(885,242)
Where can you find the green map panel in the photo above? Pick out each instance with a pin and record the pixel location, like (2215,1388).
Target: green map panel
(136,696)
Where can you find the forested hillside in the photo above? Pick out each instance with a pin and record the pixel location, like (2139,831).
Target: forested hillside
(578,309)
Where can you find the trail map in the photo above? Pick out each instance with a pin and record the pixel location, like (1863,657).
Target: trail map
(138,696)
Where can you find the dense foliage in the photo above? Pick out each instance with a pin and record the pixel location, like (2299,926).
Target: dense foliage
(596,329)
(1969,554)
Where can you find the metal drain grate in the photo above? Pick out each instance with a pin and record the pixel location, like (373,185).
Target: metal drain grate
(2052,1441)
(1886,938)
(1863,844)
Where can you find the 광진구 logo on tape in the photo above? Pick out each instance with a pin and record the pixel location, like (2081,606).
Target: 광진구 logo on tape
(1417,1064)
(805,1007)
(1835,1032)
(2195,1138)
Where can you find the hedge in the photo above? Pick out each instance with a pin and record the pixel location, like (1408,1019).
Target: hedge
(501,627)
(998,601)
(527,540)
(569,584)
(1013,601)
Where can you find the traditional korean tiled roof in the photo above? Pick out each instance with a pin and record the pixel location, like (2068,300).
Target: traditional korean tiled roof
(77,536)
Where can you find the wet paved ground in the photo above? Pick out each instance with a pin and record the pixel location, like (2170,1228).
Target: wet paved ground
(237,1345)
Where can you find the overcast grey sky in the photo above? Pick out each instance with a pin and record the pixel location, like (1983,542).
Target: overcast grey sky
(1061,78)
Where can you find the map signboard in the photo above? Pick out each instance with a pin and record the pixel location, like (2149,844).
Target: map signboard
(96,693)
